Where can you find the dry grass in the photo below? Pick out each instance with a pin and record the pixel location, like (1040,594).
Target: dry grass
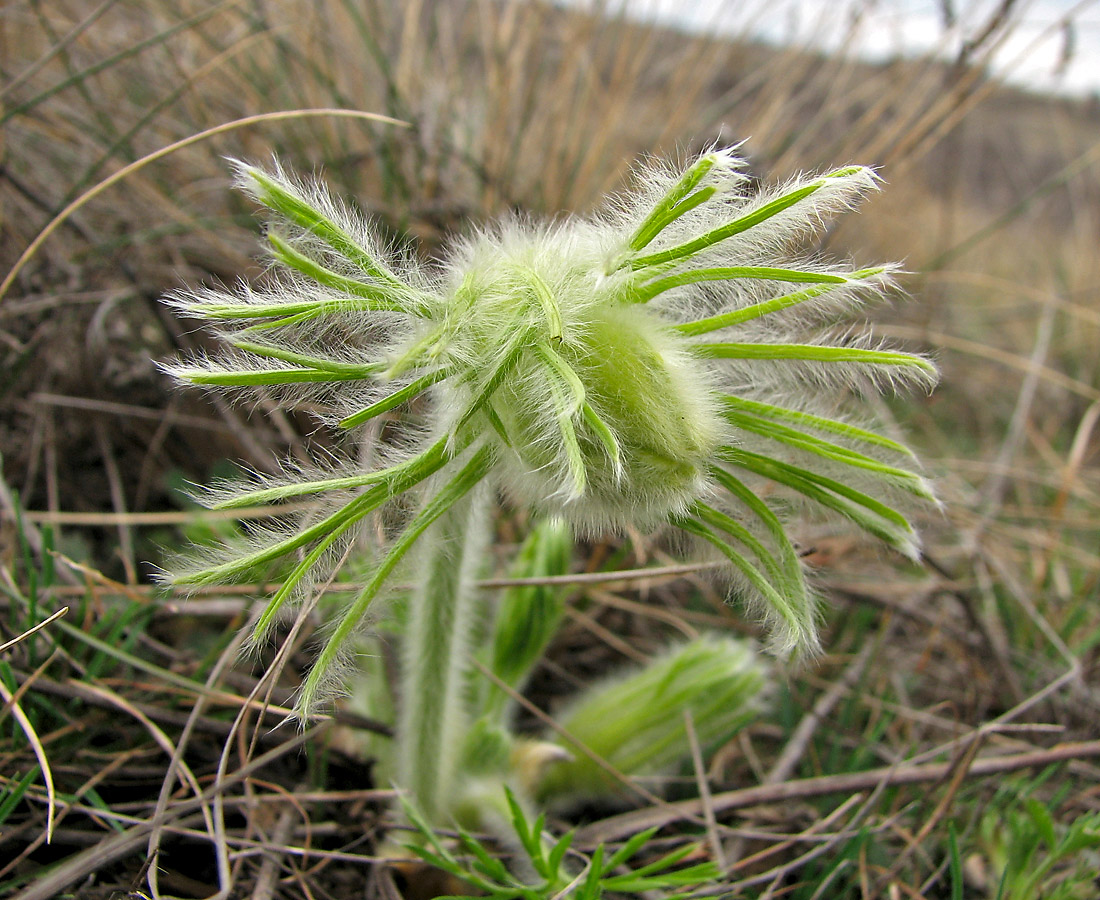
(989,648)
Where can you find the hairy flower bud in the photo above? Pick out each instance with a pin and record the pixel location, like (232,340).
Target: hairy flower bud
(667,361)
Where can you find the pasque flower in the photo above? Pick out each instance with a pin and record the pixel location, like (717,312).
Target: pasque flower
(672,359)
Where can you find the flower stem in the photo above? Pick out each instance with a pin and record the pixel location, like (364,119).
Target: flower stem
(437,651)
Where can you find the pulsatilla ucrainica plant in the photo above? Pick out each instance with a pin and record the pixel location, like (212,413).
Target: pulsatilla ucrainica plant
(672,360)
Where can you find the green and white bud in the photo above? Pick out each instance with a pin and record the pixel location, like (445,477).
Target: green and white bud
(673,359)
(636,720)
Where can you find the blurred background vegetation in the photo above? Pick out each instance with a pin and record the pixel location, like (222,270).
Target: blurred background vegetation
(992,201)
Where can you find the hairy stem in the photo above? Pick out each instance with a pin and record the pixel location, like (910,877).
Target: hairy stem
(437,652)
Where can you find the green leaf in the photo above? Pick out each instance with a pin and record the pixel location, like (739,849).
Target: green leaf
(742,535)
(831,426)
(287,312)
(766,307)
(14,793)
(366,502)
(675,203)
(870,514)
(647,292)
(508,361)
(794,619)
(270,614)
(789,556)
(486,863)
(1042,820)
(403,395)
(225,377)
(814,352)
(475,469)
(800,440)
(378,299)
(277,196)
(666,861)
(437,452)
(351,370)
(737,226)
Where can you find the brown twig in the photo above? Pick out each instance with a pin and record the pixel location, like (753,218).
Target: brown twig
(620,826)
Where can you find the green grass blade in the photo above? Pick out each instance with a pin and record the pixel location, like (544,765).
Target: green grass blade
(104,64)
(632,846)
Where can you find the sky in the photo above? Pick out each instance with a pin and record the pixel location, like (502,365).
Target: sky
(1033,55)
